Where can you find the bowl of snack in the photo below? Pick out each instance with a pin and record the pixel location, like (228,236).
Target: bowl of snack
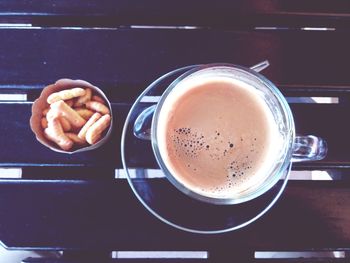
(71,116)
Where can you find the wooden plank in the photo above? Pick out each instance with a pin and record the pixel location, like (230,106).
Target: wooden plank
(99,260)
(294,260)
(125,61)
(302,260)
(106,216)
(24,150)
(43,260)
(288,260)
(239,13)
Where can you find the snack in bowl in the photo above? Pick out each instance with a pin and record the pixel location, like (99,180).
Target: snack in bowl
(67,119)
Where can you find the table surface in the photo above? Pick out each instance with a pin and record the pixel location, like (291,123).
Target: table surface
(75,202)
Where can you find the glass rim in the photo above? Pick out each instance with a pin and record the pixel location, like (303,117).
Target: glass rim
(288,143)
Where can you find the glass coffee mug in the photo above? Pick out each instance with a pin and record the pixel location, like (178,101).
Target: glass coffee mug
(246,172)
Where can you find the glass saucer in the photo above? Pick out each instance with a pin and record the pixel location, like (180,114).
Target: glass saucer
(162,199)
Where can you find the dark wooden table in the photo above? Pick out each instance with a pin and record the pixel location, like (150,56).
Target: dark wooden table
(74,203)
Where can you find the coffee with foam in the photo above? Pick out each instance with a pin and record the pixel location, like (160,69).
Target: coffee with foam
(217,136)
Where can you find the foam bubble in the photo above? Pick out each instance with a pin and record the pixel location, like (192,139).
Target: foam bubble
(191,143)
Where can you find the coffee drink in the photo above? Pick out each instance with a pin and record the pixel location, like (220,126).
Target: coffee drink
(217,136)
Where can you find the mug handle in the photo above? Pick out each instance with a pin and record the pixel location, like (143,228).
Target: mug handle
(143,123)
(309,148)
